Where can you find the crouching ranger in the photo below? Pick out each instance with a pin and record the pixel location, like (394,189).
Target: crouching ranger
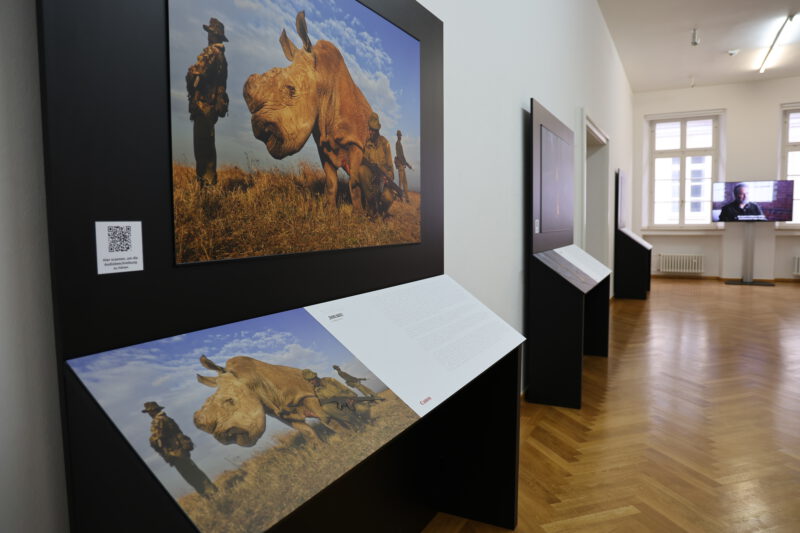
(376,175)
(339,402)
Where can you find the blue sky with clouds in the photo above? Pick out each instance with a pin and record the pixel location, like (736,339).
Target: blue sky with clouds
(165,371)
(383,61)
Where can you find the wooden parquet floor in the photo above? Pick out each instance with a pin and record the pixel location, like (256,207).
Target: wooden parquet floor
(692,424)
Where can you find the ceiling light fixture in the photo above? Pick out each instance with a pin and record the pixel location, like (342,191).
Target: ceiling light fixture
(777,35)
(695,40)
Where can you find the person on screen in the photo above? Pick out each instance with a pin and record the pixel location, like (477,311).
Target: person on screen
(206,83)
(167,439)
(739,206)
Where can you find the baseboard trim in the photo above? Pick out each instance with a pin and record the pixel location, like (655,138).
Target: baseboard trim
(720,278)
(683,276)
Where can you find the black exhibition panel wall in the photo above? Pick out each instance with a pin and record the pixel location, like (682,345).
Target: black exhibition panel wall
(106,108)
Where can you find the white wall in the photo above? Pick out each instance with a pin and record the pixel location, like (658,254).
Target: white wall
(752,128)
(32,494)
(599,186)
(497,57)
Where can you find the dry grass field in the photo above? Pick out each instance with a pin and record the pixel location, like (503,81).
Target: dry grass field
(251,214)
(276,481)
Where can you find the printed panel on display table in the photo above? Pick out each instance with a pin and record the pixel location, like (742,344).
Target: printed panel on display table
(231,413)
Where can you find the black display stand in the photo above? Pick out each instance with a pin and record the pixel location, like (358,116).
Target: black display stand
(566,309)
(748,258)
(571,319)
(105,98)
(632,257)
(632,254)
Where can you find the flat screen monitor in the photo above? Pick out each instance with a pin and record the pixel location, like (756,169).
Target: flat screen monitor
(748,201)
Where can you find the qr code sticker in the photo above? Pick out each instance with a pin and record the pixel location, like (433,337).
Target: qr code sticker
(119,238)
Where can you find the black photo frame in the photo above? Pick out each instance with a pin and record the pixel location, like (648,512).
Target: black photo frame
(107,155)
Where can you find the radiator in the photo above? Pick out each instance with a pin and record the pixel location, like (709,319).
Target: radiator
(796,269)
(681,263)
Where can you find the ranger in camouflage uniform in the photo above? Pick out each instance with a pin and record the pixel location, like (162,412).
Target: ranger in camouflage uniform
(376,170)
(175,448)
(342,404)
(354,382)
(206,83)
(401,164)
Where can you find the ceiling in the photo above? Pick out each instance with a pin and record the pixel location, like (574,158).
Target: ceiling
(653,38)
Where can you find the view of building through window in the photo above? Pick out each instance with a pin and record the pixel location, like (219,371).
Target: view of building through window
(791,156)
(683,165)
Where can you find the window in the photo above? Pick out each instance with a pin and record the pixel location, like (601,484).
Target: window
(790,156)
(684,161)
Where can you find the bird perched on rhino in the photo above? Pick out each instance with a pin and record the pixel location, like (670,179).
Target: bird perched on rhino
(376,175)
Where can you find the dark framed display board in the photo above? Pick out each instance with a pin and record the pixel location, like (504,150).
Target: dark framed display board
(107,156)
(632,254)
(549,195)
(105,97)
(571,320)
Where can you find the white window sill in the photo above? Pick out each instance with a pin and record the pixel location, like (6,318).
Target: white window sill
(788,231)
(698,231)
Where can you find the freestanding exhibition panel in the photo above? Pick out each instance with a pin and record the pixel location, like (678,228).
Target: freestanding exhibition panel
(106,99)
(632,254)
(572,321)
(566,290)
(632,257)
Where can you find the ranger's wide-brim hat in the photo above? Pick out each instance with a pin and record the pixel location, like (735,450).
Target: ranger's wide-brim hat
(151,407)
(374,123)
(309,374)
(216,27)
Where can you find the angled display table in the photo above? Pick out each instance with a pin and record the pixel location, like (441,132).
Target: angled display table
(568,318)
(423,357)
(632,264)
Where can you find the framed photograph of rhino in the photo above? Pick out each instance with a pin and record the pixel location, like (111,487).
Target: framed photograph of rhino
(289,410)
(295,127)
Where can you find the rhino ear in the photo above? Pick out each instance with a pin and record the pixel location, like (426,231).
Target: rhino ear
(289,49)
(205,380)
(302,30)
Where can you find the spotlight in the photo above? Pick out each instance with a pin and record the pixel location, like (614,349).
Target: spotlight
(695,39)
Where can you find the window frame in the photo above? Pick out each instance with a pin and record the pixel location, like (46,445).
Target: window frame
(683,153)
(786,148)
